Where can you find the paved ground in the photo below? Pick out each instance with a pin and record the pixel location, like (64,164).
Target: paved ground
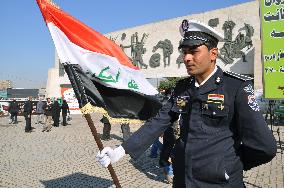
(65,157)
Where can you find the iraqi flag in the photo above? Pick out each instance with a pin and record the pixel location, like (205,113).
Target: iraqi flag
(98,69)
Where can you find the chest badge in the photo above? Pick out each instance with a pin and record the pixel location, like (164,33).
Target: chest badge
(181,103)
(217,99)
(221,106)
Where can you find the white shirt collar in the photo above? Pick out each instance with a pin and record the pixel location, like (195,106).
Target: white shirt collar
(209,76)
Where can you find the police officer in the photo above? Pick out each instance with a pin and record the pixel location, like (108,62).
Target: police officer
(222,129)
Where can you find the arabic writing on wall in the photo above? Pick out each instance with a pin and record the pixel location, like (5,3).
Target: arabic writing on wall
(275,56)
(269,70)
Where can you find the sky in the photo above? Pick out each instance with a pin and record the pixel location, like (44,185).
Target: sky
(26,47)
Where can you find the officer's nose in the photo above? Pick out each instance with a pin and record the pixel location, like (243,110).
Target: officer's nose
(187,58)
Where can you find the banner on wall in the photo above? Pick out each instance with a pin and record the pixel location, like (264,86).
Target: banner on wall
(69,95)
(272,28)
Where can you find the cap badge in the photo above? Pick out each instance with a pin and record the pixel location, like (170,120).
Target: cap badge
(185,25)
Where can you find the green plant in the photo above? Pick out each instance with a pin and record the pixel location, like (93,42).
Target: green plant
(169,83)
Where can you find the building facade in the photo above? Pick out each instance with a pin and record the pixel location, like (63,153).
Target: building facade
(4,84)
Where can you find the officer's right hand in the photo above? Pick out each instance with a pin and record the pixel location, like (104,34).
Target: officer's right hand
(109,155)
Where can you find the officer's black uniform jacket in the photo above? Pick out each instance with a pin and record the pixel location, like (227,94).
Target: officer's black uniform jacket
(217,137)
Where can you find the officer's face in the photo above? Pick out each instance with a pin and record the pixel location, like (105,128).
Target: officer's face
(199,61)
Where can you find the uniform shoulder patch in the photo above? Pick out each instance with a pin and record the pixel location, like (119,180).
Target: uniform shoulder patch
(238,76)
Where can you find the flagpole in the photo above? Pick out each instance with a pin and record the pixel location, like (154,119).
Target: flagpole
(100,145)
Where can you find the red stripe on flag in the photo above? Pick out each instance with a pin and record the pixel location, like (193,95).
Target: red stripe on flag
(82,35)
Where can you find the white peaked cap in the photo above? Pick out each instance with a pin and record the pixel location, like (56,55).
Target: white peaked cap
(194,25)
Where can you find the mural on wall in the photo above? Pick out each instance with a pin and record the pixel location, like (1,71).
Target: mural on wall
(155,60)
(213,22)
(228,27)
(167,48)
(234,48)
(179,60)
(136,49)
(113,38)
(231,49)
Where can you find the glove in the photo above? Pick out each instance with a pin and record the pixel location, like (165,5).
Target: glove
(109,155)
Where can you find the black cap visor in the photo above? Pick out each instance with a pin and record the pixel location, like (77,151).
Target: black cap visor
(191,43)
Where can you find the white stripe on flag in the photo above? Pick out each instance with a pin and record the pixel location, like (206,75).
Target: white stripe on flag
(103,66)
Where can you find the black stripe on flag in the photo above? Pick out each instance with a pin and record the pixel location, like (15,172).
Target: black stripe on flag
(119,103)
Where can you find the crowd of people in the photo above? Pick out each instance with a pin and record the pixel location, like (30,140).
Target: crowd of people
(47,113)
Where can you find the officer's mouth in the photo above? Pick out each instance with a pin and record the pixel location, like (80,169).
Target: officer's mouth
(189,67)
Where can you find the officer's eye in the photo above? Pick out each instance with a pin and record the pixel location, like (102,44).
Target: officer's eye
(192,52)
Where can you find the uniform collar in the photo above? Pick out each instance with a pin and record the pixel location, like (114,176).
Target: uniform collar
(204,81)
(212,82)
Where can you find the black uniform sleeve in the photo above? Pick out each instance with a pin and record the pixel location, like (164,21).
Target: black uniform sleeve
(151,130)
(258,145)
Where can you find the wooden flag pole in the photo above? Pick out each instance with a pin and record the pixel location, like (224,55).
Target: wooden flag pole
(100,145)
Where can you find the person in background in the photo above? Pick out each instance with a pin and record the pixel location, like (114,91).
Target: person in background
(48,115)
(40,112)
(106,128)
(155,148)
(125,129)
(65,110)
(56,109)
(13,110)
(169,138)
(28,108)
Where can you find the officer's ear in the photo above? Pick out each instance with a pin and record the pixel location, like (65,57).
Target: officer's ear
(213,54)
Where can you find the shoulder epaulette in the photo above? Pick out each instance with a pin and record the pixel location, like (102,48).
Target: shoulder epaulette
(239,76)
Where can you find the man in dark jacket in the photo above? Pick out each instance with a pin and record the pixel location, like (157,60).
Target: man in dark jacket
(28,108)
(65,110)
(222,131)
(56,109)
(13,110)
